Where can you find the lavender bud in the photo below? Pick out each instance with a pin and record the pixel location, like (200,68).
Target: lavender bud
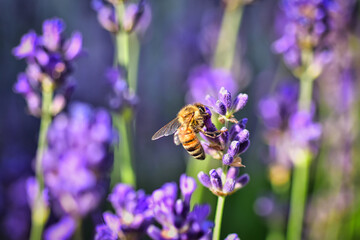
(187,187)
(234,148)
(22,85)
(220,107)
(227,159)
(225,97)
(27,46)
(64,229)
(244,146)
(154,233)
(215,180)
(229,186)
(232,173)
(243,180)
(72,46)
(204,179)
(240,102)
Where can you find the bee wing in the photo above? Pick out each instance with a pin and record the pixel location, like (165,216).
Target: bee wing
(167,130)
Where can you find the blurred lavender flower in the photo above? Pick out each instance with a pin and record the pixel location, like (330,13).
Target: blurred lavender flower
(204,80)
(122,96)
(77,160)
(137,17)
(231,184)
(288,130)
(307,25)
(232,236)
(132,218)
(174,215)
(64,229)
(49,61)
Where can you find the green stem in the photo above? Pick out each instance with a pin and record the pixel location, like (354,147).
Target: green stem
(298,196)
(123,153)
(218,217)
(40,211)
(122,39)
(225,48)
(78,232)
(134,61)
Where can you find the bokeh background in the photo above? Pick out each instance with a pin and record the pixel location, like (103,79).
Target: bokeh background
(170,49)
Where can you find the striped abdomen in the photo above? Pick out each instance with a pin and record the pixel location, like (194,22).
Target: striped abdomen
(191,143)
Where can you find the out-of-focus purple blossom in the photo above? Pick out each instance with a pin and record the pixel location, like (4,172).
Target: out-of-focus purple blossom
(174,215)
(64,229)
(77,160)
(306,26)
(132,218)
(264,206)
(49,57)
(276,110)
(137,17)
(122,96)
(232,236)
(216,185)
(106,15)
(288,130)
(204,81)
(225,105)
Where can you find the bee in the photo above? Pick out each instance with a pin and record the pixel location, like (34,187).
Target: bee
(189,121)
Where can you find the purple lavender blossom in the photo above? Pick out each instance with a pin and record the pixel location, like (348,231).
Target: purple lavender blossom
(217,186)
(225,105)
(174,215)
(49,58)
(77,160)
(122,96)
(132,218)
(232,143)
(204,81)
(307,25)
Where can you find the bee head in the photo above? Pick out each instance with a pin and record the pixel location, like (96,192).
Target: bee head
(202,108)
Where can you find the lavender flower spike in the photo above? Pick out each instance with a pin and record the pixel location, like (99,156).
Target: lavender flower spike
(215,184)
(49,60)
(174,215)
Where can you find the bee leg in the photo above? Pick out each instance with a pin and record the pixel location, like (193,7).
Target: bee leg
(212,134)
(176,139)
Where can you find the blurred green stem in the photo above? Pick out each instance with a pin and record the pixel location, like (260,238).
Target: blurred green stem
(123,158)
(303,159)
(226,45)
(298,196)
(40,211)
(78,232)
